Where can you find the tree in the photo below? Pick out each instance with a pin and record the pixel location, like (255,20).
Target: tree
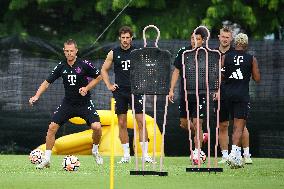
(257,18)
(57,20)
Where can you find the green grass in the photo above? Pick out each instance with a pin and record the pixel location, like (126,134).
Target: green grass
(16,172)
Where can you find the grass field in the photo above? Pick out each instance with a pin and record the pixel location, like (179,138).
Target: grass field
(16,172)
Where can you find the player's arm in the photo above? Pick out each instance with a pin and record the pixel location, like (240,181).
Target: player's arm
(84,90)
(42,88)
(255,70)
(175,76)
(104,71)
(215,95)
(55,74)
(91,72)
(93,83)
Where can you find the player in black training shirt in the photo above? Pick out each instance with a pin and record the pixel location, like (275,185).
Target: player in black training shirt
(77,101)
(121,89)
(225,39)
(192,103)
(240,66)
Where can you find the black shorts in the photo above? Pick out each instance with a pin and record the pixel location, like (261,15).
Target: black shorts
(123,100)
(192,107)
(232,109)
(66,111)
(223,112)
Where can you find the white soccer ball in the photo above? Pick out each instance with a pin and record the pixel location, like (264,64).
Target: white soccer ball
(235,162)
(202,159)
(70,163)
(36,156)
(195,158)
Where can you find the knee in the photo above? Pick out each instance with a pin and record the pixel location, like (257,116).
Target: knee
(183,126)
(140,123)
(183,123)
(52,128)
(223,126)
(96,126)
(122,124)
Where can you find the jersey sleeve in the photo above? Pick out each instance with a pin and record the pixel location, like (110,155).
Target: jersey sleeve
(178,59)
(91,70)
(55,74)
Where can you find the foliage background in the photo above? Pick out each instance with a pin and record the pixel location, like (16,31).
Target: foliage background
(57,20)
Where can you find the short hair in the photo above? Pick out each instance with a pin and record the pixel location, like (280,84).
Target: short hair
(125,29)
(70,42)
(226,29)
(241,40)
(200,32)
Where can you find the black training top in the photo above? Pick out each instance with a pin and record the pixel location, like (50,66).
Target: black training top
(229,50)
(237,75)
(74,77)
(223,69)
(121,60)
(179,66)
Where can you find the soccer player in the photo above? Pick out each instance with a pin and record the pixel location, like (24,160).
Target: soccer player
(225,39)
(77,100)
(121,89)
(239,67)
(178,71)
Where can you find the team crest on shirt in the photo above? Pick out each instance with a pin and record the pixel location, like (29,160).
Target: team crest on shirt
(78,70)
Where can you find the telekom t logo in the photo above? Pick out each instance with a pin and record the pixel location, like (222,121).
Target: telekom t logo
(125,64)
(72,79)
(238,60)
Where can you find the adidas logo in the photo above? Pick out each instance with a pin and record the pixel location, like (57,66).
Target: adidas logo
(237,74)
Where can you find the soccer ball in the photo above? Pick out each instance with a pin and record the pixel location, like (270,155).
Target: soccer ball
(70,163)
(36,156)
(235,162)
(195,157)
(202,159)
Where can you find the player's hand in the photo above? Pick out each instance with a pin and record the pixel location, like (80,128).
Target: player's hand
(171,96)
(33,100)
(112,87)
(215,96)
(83,91)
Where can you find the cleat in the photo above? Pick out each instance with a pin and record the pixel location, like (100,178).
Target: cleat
(223,160)
(43,164)
(125,159)
(98,158)
(247,159)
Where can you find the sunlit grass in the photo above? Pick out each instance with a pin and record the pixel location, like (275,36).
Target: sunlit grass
(17,172)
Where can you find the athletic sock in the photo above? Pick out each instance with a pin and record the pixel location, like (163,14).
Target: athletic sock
(225,153)
(246,151)
(125,148)
(47,155)
(145,150)
(95,149)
